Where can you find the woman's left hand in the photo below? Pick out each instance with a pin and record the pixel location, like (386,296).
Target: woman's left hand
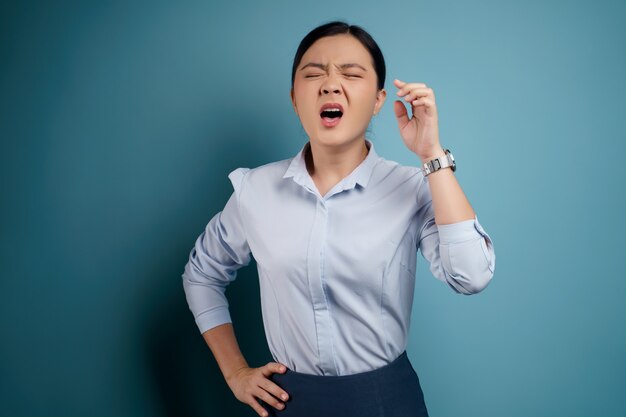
(421,132)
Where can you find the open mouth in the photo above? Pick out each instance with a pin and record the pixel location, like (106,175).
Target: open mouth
(331,114)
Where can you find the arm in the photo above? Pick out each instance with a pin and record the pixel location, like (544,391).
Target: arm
(449,201)
(223,344)
(459,250)
(420,134)
(245,382)
(218,253)
(213,263)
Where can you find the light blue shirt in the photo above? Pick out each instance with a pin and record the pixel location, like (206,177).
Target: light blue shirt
(336,272)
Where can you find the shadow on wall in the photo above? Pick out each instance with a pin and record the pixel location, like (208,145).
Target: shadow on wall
(186,379)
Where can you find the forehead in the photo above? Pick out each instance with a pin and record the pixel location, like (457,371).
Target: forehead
(337,49)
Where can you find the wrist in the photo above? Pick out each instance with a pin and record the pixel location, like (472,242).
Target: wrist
(437,153)
(233,374)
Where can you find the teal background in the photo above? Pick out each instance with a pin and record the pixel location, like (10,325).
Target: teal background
(119,122)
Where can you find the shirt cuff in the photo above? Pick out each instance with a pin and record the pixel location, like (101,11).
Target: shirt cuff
(460,231)
(213,318)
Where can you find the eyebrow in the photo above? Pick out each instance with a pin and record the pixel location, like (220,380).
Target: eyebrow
(325,67)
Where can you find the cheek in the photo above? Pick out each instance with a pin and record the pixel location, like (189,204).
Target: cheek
(365,104)
(305,100)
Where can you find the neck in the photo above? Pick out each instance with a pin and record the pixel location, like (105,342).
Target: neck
(330,164)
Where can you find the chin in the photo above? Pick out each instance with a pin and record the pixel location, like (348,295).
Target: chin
(335,136)
(333,139)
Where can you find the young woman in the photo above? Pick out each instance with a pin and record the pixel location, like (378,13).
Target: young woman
(335,231)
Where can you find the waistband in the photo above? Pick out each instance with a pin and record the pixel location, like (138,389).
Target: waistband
(392,367)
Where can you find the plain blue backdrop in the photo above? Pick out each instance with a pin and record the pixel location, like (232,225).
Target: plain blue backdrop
(119,122)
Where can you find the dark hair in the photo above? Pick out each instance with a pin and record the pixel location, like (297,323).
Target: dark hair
(338,28)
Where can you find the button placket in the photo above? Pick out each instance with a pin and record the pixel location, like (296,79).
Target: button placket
(315,269)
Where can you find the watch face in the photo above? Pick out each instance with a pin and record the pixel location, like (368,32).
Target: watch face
(453,166)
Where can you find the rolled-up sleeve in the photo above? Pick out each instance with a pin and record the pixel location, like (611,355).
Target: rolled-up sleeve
(460,254)
(219,251)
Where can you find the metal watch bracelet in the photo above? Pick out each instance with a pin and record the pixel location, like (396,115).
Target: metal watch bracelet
(445,161)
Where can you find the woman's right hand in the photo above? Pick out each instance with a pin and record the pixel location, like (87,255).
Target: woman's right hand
(248,384)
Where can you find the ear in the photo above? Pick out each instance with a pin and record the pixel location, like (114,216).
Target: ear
(293,100)
(380,100)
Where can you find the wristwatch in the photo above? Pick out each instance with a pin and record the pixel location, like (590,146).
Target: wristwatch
(445,161)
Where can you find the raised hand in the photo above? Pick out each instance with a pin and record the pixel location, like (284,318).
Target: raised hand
(421,132)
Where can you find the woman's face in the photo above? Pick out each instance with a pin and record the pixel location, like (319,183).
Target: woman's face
(336,69)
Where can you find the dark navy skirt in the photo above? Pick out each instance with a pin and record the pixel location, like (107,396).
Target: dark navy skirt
(391,391)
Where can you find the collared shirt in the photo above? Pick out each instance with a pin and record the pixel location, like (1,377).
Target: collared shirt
(337,272)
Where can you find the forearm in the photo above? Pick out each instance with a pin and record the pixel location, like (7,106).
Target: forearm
(223,344)
(449,202)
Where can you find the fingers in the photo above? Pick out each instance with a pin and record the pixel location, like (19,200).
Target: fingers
(417,94)
(257,407)
(423,101)
(273,368)
(262,391)
(401,113)
(268,398)
(405,88)
(275,390)
(257,385)
(267,387)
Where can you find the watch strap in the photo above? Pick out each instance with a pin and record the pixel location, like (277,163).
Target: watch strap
(435,164)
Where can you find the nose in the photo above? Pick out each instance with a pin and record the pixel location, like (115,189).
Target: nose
(333,89)
(331,84)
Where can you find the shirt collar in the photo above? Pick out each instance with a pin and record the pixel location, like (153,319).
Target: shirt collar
(360,175)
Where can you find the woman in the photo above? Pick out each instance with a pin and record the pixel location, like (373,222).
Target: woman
(334,231)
